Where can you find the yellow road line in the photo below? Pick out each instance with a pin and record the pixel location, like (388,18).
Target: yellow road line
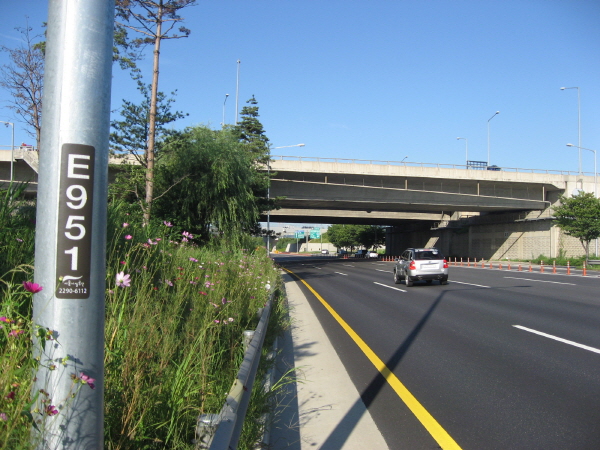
(438,433)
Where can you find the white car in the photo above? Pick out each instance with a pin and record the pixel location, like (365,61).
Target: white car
(372,255)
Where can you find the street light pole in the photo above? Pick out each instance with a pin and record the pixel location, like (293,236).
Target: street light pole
(488,127)
(595,168)
(595,177)
(12,150)
(269,199)
(467,150)
(578,121)
(237,92)
(224,101)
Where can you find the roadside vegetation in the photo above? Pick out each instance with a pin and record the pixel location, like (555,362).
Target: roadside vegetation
(175,312)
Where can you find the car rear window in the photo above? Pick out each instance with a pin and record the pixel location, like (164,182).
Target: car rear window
(428,254)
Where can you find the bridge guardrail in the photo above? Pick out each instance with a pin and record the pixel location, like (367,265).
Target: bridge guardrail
(420,164)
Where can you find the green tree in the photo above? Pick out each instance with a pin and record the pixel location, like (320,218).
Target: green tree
(130,137)
(371,236)
(23,78)
(153,21)
(342,235)
(206,177)
(579,216)
(252,135)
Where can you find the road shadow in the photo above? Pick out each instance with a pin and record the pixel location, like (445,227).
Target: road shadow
(338,437)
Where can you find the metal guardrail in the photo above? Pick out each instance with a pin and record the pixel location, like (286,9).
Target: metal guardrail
(222,431)
(419,164)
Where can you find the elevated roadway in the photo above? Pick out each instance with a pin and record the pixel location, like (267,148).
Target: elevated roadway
(331,190)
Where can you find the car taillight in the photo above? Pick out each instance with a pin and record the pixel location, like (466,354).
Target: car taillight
(445,264)
(412,266)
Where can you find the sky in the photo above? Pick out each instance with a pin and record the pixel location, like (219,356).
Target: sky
(381,79)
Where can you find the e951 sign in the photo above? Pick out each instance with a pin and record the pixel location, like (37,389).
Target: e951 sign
(74,232)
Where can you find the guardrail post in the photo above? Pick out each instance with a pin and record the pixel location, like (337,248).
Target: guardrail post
(542,267)
(584,270)
(247,336)
(568,268)
(206,427)
(554,266)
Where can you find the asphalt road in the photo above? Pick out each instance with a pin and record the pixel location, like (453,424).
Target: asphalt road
(499,359)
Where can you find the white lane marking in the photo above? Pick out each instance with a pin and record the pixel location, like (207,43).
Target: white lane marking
(556,338)
(386,271)
(345,274)
(541,281)
(391,287)
(348,265)
(471,284)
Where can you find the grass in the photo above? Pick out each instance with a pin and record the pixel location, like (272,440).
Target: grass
(173,334)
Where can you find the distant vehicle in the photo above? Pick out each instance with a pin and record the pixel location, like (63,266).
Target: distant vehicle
(418,264)
(372,255)
(361,253)
(493,168)
(325,252)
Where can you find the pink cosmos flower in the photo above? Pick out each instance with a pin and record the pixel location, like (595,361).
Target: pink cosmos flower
(128,237)
(193,259)
(187,235)
(167,224)
(5,319)
(32,287)
(51,410)
(15,333)
(125,225)
(86,379)
(3,417)
(123,280)
(202,292)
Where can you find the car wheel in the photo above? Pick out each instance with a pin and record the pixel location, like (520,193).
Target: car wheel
(396,277)
(409,282)
(428,281)
(444,281)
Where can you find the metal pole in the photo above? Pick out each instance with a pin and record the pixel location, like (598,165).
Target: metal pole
(488,130)
(224,101)
(578,122)
(579,128)
(12,154)
(268,211)
(237,92)
(467,150)
(70,243)
(12,150)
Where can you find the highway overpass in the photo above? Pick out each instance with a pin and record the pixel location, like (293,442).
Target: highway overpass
(465,211)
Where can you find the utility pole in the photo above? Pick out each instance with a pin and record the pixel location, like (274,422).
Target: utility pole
(70,242)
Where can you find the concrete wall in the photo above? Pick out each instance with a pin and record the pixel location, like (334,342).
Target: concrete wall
(502,238)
